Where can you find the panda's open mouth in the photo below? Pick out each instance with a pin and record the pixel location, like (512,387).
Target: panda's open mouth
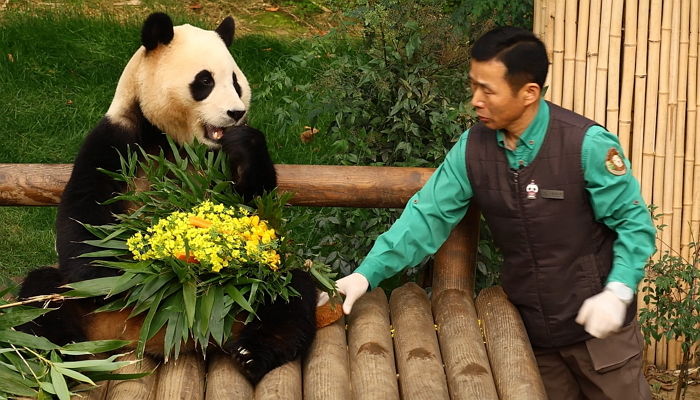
(213,132)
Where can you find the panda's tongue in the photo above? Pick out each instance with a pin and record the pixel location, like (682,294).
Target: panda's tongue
(214,133)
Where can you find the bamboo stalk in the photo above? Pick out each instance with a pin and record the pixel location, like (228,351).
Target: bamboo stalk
(660,151)
(558,54)
(695,213)
(613,86)
(639,134)
(580,57)
(601,79)
(567,99)
(640,82)
(549,44)
(650,112)
(628,71)
(592,58)
(537,22)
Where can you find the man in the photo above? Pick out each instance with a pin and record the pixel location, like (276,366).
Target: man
(563,208)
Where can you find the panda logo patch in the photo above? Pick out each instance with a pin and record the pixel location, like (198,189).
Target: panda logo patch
(614,163)
(532,190)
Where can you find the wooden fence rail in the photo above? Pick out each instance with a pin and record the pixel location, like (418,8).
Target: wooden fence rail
(410,346)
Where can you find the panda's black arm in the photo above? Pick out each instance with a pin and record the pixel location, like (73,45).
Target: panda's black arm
(251,164)
(81,201)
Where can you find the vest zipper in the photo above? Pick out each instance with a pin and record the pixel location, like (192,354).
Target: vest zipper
(516,174)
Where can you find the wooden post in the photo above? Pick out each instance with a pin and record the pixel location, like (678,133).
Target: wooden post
(224,380)
(456,258)
(326,371)
(371,350)
(418,359)
(281,383)
(183,378)
(467,365)
(137,389)
(515,371)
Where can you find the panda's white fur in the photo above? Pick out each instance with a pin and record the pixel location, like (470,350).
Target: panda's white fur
(158,79)
(182,82)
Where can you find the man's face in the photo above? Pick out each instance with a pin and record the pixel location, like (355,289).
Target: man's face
(496,105)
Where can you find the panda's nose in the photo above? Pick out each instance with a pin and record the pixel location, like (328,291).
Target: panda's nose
(236,115)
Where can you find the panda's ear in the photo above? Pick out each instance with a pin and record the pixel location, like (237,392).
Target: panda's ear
(226,29)
(158,29)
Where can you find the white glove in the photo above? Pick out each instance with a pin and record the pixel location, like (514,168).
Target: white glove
(602,314)
(352,286)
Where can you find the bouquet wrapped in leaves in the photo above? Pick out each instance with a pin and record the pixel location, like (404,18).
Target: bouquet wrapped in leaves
(192,257)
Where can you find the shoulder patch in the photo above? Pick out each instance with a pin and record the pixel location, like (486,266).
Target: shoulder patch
(614,162)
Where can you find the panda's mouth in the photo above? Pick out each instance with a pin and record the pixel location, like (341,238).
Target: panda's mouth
(213,132)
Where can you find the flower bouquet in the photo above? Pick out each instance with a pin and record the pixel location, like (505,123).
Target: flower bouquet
(192,257)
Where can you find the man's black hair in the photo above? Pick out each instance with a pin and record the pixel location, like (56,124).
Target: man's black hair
(523,54)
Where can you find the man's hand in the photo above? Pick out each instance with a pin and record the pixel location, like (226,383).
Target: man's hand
(602,314)
(352,286)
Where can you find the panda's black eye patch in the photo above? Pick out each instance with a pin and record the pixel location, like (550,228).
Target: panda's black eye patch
(202,85)
(236,85)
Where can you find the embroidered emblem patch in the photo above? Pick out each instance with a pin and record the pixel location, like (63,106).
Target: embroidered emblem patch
(614,163)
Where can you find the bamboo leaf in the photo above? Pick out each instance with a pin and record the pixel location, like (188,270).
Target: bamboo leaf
(107,244)
(18,316)
(92,287)
(26,340)
(93,347)
(236,296)
(59,384)
(216,318)
(104,253)
(146,327)
(189,293)
(74,374)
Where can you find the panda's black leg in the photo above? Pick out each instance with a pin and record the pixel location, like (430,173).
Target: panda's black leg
(283,332)
(251,164)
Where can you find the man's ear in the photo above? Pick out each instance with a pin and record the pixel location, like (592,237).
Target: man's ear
(530,93)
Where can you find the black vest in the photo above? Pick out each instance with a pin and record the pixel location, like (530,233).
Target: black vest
(555,254)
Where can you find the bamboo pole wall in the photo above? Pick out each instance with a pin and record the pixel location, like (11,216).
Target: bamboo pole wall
(632,65)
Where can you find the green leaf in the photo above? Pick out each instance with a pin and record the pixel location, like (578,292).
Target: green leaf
(73,374)
(236,296)
(59,384)
(104,253)
(26,340)
(93,347)
(146,327)
(189,293)
(13,383)
(107,244)
(93,287)
(18,316)
(216,318)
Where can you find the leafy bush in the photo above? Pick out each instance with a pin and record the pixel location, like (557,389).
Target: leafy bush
(672,299)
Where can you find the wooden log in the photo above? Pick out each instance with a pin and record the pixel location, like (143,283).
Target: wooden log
(182,379)
(371,350)
(281,383)
(461,344)
(135,389)
(326,370)
(512,360)
(418,359)
(317,185)
(454,261)
(224,380)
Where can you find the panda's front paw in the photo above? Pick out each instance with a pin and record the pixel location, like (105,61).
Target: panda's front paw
(250,362)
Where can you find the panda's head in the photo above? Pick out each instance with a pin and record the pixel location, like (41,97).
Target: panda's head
(184,80)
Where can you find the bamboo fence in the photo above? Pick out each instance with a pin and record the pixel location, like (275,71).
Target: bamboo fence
(632,66)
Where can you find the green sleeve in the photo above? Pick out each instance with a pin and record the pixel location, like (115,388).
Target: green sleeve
(617,203)
(425,223)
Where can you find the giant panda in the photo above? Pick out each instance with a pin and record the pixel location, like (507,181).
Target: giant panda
(182,81)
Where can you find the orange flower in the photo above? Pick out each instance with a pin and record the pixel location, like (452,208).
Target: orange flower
(186,258)
(199,222)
